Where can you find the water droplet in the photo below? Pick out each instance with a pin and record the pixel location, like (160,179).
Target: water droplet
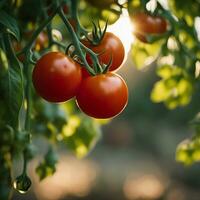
(22,184)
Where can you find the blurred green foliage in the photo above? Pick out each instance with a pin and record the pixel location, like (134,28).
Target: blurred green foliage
(175,88)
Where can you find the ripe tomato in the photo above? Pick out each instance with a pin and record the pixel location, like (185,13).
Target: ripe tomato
(102,96)
(110,46)
(85,73)
(56,77)
(147,24)
(101,4)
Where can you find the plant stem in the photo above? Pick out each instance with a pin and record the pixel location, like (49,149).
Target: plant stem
(76,42)
(74,9)
(38,31)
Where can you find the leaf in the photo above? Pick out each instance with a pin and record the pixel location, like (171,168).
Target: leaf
(144,54)
(49,119)
(188,151)
(81,134)
(111,15)
(134,6)
(174,89)
(13,92)
(159,92)
(10,23)
(11,86)
(165,71)
(48,166)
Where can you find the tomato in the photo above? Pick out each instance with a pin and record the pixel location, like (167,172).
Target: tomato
(56,77)
(101,4)
(110,46)
(85,73)
(102,96)
(147,24)
(41,41)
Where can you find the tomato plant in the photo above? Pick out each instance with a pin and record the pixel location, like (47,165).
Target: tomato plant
(102,96)
(56,77)
(83,64)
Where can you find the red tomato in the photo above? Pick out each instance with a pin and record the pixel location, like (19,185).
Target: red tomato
(85,73)
(147,24)
(56,77)
(102,96)
(110,45)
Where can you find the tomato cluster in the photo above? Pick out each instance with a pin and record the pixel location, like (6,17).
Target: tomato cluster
(58,78)
(146,24)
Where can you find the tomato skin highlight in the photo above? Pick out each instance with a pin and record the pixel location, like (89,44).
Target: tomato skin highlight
(102,96)
(110,47)
(56,77)
(147,24)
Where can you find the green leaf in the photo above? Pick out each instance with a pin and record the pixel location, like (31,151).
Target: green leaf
(81,134)
(49,118)
(165,71)
(48,166)
(174,89)
(134,6)
(10,23)
(188,151)
(144,54)
(12,86)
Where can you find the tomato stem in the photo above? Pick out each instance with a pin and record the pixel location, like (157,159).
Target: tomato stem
(74,10)
(76,42)
(37,32)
